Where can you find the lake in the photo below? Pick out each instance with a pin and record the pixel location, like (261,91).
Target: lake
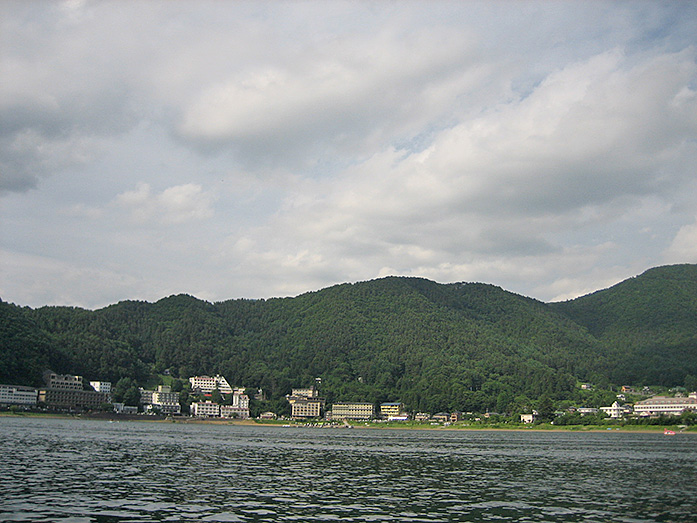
(65,470)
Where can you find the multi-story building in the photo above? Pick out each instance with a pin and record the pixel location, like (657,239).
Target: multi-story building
(207,384)
(658,405)
(391,410)
(228,411)
(63,381)
(162,399)
(306,407)
(205,408)
(166,400)
(70,398)
(310,392)
(353,411)
(66,391)
(146,396)
(101,386)
(615,410)
(18,395)
(305,403)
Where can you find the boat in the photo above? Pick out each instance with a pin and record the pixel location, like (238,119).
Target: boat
(669,432)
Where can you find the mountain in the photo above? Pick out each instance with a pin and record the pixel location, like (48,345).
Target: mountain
(648,322)
(463,346)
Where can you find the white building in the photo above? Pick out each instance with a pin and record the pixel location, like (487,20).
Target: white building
(207,384)
(239,408)
(614,411)
(228,411)
(18,395)
(527,418)
(665,405)
(101,386)
(205,408)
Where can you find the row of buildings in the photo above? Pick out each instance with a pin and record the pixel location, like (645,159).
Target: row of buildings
(71,392)
(307,403)
(654,406)
(651,407)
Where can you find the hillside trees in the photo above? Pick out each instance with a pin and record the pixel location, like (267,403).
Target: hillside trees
(465,346)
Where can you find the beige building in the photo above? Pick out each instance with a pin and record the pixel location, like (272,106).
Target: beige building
(353,411)
(391,410)
(305,403)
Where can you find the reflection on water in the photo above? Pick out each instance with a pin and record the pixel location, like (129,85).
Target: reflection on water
(94,471)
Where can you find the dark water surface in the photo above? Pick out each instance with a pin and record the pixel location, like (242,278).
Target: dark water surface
(95,471)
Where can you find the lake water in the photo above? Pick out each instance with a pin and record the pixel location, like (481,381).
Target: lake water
(78,471)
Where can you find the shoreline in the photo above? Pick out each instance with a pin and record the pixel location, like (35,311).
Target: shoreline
(362,426)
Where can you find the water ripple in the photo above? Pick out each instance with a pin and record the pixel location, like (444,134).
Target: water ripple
(78,471)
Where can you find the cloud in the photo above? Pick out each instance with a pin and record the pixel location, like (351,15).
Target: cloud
(683,248)
(259,149)
(174,205)
(511,184)
(339,97)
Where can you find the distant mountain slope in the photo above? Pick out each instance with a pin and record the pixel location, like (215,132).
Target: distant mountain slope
(649,323)
(465,346)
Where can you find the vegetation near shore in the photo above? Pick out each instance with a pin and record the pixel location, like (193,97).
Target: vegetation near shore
(434,347)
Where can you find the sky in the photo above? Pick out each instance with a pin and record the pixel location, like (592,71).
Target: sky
(263,149)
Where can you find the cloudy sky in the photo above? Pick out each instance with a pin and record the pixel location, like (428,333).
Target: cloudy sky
(258,149)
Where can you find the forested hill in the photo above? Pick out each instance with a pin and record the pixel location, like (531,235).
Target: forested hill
(649,321)
(432,346)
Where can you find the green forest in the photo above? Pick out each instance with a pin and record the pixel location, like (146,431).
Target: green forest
(434,347)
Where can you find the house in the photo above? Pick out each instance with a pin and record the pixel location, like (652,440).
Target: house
(456,416)
(120,408)
(528,418)
(587,410)
(422,416)
(442,417)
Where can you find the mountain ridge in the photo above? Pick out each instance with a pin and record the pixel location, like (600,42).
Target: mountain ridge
(455,346)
